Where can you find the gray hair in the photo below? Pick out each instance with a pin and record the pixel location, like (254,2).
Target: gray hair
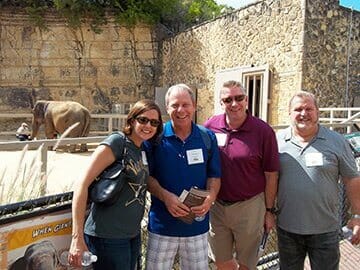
(231,84)
(179,88)
(304,94)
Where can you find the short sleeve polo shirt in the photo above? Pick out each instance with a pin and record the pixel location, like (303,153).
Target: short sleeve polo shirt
(308,196)
(246,154)
(172,164)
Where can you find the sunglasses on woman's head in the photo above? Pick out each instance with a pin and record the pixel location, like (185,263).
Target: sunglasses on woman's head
(144,120)
(237,98)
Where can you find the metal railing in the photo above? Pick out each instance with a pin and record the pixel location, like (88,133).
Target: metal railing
(107,122)
(330,117)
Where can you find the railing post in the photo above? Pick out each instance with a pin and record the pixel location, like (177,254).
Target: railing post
(110,124)
(43,169)
(348,129)
(331,118)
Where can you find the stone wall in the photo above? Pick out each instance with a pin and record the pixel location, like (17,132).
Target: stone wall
(97,70)
(326,52)
(303,41)
(267,32)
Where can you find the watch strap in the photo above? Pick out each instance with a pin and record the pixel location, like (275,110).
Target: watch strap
(272,210)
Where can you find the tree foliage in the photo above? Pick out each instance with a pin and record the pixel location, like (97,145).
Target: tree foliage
(174,14)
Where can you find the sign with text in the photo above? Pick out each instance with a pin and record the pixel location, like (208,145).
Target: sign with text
(35,243)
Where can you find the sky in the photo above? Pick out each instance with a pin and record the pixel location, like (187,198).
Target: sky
(355,4)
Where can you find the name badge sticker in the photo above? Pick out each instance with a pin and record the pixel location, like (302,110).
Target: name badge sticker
(143,157)
(221,138)
(314,159)
(195,156)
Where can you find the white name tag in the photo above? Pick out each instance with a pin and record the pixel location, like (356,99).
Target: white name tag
(314,159)
(195,156)
(221,138)
(143,157)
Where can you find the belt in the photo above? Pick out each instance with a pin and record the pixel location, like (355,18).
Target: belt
(227,203)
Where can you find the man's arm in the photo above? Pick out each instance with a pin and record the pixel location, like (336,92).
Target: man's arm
(213,186)
(171,201)
(353,193)
(271,188)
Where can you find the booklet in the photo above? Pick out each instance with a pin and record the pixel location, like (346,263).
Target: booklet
(193,197)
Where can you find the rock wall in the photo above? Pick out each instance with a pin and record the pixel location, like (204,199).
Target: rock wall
(304,42)
(267,32)
(97,70)
(327,51)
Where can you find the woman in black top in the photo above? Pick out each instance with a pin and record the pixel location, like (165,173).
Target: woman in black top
(113,232)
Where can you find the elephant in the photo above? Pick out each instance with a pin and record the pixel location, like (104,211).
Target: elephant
(58,116)
(38,256)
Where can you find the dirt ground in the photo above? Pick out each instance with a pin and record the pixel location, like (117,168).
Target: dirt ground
(63,169)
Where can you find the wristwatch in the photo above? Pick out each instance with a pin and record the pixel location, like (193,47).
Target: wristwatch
(272,210)
(355,216)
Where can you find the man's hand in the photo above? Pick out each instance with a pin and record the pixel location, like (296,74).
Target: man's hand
(202,209)
(269,221)
(354,224)
(174,206)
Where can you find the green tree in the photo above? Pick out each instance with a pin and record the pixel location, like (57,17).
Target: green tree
(174,14)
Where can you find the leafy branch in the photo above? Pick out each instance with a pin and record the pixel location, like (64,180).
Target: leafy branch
(174,14)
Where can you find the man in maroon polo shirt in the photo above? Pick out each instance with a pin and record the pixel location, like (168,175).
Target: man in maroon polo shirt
(250,164)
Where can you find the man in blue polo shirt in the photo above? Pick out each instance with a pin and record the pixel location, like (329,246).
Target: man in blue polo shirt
(180,160)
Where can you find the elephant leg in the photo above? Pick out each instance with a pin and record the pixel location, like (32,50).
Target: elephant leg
(83,147)
(50,133)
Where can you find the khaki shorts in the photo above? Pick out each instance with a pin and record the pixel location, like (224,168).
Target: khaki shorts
(237,228)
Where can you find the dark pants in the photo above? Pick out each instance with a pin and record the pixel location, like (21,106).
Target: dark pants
(322,249)
(22,137)
(114,254)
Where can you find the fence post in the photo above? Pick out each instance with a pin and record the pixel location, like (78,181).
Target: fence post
(348,129)
(110,124)
(331,118)
(43,169)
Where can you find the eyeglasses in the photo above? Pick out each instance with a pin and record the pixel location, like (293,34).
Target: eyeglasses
(237,98)
(144,120)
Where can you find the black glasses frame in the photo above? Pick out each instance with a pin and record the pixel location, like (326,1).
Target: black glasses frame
(237,98)
(143,120)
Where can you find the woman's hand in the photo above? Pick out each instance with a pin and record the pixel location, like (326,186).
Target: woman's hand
(77,248)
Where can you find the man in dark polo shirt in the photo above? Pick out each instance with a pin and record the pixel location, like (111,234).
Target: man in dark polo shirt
(250,164)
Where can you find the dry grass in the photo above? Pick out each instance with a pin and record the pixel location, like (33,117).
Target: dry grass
(23,183)
(27,181)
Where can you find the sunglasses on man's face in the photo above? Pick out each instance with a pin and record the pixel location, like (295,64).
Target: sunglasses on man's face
(237,98)
(144,120)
